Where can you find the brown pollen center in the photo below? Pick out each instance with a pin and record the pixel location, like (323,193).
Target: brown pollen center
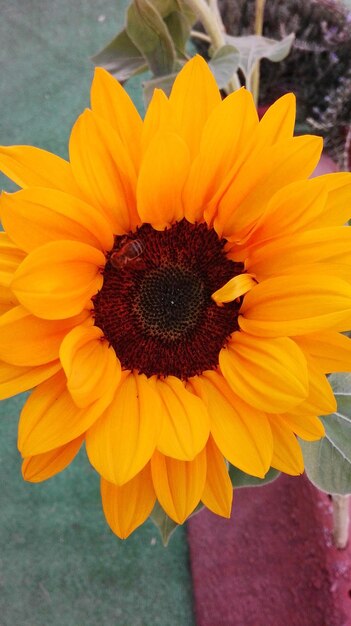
(155,306)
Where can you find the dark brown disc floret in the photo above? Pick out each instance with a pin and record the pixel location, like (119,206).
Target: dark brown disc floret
(155,305)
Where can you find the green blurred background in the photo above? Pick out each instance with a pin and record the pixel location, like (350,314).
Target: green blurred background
(60,565)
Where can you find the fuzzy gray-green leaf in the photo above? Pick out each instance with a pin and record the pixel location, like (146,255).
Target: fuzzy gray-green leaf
(121,57)
(162,82)
(223,64)
(165,524)
(252,48)
(240,479)
(328,461)
(148,31)
(179,29)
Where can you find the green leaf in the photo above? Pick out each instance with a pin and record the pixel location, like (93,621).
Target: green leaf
(183,8)
(150,35)
(328,461)
(252,48)
(165,524)
(223,64)
(166,7)
(240,479)
(121,57)
(162,82)
(179,29)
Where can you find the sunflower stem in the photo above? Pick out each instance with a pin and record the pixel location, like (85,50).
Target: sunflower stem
(210,18)
(213,4)
(198,35)
(260,4)
(209,22)
(341,521)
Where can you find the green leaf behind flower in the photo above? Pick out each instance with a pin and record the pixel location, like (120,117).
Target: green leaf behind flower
(240,479)
(166,7)
(155,38)
(179,30)
(165,524)
(149,33)
(223,64)
(328,461)
(253,48)
(121,57)
(161,82)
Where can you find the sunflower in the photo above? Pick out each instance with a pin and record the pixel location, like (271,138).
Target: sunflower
(174,294)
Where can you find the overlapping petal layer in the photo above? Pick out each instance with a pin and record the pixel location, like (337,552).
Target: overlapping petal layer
(122,442)
(50,418)
(57,280)
(45,465)
(128,506)
(35,216)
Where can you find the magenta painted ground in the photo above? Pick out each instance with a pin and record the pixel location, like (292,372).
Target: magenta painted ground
(273,563)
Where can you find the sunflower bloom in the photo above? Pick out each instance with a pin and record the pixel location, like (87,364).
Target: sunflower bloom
(174,294)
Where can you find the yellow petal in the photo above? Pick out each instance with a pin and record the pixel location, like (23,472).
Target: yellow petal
(36,216)
(90,364)
(185,425)
(218,492)
(329,245)
(269,374)
(232,125)
(278,121)
(10,259)
(14,379)
(241,433)
(111,101)
(337,270)
(43,466)
(292,208)
(308,427)
(58,279)
(121,443)
(159,116)
(161,180)
(234,288)
(50,418)
(330,351)
(7,299)
(320,400)
(295,305)
(337,210)
(247,197)
(179,485)
(287,456)
(32,167)
(27,340)
(303,205)
(103,169)
(194,95)
(128,506)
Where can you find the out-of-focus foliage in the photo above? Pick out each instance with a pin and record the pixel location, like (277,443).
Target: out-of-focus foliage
(156,38)
(318,69)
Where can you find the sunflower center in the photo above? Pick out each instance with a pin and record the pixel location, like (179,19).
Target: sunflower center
(170,302)
(155,305)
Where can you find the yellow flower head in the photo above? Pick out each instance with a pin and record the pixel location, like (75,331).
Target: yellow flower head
(174,293)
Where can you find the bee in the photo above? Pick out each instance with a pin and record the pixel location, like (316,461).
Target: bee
(129,252)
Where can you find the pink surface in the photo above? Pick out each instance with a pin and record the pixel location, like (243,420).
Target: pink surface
(273,563)
(326,165)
